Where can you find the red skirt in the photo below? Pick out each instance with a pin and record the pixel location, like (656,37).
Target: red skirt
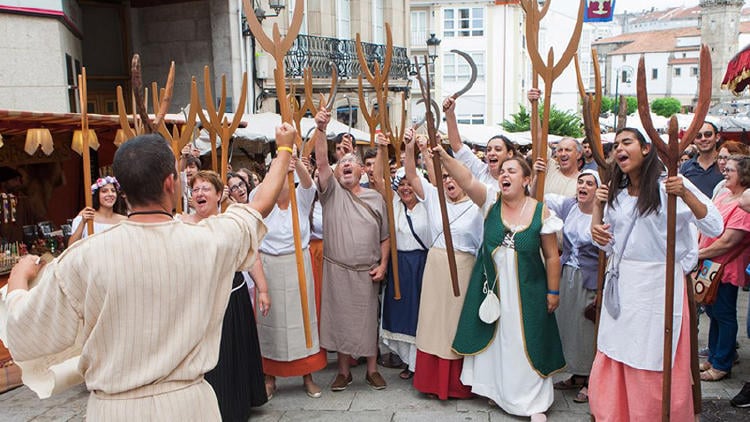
(442,377)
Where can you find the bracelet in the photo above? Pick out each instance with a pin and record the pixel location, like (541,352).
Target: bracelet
(323,131)
(287,149)
(553,292)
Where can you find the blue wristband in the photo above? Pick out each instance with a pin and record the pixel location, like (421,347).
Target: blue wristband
(553,292)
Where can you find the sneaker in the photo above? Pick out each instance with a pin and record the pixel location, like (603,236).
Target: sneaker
(742,399)
(341,382)
(376,381)
(703,353)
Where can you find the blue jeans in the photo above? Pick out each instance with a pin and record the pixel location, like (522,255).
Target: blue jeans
(722,332)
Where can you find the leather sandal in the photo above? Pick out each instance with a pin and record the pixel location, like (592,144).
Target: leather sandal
(705,366)
(406,374)
(582,396)
(713,374)
(570,383)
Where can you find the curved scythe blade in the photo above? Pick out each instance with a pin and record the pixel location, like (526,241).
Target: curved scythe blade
(473,77)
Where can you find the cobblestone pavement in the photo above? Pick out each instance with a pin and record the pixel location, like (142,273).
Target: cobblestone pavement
(399,402)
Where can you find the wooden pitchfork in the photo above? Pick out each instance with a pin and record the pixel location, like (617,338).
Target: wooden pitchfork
(378,79)
(592,105)
(141,121)
(83,97)
(549,72)
(278,48)
(424,85)
(216,123)
(670,156)
(308,105)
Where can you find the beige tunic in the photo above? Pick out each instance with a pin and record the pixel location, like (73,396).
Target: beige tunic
(150,299)
(349,305)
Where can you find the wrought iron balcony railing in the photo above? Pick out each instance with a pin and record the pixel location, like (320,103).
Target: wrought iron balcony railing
(321,53)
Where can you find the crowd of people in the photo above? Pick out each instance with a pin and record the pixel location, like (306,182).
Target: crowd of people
(526,275)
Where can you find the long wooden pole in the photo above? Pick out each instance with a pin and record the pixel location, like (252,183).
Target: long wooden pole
(278,48)
(86,153)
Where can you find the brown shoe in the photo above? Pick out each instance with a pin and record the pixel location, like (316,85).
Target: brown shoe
(376,381)
(341,382)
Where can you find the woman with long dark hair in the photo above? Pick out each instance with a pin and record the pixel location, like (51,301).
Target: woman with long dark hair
(626,377)
(105,204)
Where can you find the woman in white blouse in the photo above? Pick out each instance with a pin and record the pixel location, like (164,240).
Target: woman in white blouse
(282,337)
(626,376)
(105,194)
(438,368)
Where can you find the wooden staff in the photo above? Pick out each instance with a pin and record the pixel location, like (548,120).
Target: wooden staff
(378,79)
(212,122)
(278,48)
(309,106)
(438,168)
(670,156)
(548,72)
(83,96)
(592,106)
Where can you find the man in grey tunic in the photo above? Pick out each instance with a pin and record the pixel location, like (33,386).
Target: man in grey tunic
(355,260)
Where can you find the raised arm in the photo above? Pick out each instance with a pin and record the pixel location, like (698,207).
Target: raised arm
(265,197)
(449,109)
(476,190)
(410,168)
(424,149)
(321,148)
(377,182)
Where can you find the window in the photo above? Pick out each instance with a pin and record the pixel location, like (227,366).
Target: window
(625,76)
(290,8)
(470,119)
(693,71)
(343,19)
(463,22)
(654,73)
(378,25)
(72,85)
(455,68)
(419,28)
(677,72)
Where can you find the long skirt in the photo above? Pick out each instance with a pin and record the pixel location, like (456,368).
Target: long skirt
(399,318)
(282,332)
(237,378)
(438,368)
(621,393)
(576,332)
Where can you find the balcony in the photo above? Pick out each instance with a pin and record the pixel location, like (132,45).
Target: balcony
(320,53)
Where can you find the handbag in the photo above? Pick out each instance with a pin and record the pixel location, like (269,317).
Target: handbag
(489,310)
(707,271)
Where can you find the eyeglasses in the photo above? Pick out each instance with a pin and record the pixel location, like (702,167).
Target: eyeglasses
(729,170)
(204,189)
(447,176)
(722,158)
(235,188)
(706,134)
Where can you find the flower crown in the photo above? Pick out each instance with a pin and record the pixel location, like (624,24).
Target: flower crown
(103,181)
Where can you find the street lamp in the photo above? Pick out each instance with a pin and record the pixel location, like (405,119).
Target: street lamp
(276,5)
(432,46)
(625,73)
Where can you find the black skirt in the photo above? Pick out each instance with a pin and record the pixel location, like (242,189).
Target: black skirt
(238,377)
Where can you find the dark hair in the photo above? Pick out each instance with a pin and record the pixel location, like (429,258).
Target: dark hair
(716,128)
(735,148)
(649,199)
(95,199)
(525,168)
(370,153)
(191,160)
(209,176)
(743,169)
(248,184)
(141,165)
(509,145)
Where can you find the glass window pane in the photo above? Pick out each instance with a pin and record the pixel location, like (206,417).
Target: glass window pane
(464,13)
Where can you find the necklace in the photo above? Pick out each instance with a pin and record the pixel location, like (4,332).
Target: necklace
(509,240)
(150,212)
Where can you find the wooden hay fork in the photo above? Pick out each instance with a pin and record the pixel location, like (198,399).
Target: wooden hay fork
(549,72)
(670,156)
(378,79)
(278,48)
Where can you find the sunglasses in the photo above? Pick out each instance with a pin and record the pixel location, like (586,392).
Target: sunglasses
(706,134)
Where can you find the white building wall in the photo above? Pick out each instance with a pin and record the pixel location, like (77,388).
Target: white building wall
(34,70)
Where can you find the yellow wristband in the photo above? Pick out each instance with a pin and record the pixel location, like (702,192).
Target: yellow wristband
(287,149)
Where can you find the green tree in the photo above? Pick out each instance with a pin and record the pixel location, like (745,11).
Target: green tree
(561,123)
(666,106)
(611,105)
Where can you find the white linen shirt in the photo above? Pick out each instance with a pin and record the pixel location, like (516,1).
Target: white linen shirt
(280,237)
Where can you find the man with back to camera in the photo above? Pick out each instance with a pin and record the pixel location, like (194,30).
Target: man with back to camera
(151,308)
